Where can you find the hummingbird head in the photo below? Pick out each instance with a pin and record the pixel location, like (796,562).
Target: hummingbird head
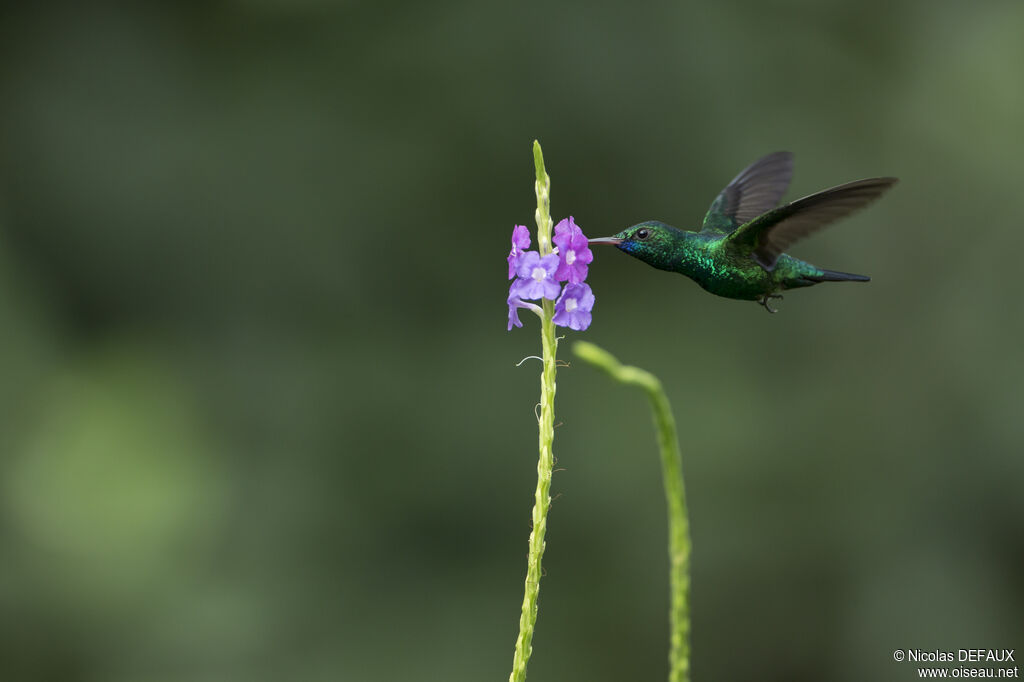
(648,241)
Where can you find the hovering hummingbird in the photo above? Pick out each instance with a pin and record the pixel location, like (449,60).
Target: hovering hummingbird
(738,252)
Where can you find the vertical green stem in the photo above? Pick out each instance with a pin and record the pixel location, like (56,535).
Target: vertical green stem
(545,462)
(678,524)
(678,533)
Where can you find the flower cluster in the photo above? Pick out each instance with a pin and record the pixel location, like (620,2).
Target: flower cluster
(541,276)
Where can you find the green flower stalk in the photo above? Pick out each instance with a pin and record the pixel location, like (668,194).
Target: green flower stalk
(545,462)
(539,274)
(678,525)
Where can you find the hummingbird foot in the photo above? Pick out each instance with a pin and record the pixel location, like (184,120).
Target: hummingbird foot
(767,297)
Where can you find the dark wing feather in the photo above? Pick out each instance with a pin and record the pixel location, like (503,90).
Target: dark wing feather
(755,190)
(772,233)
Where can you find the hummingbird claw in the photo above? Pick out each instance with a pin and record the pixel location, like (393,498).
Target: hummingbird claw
(767,297)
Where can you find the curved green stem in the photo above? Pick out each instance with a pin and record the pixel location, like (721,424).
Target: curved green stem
(545,462)
(678,524)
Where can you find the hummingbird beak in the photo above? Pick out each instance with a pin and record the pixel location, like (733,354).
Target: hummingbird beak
(614,241)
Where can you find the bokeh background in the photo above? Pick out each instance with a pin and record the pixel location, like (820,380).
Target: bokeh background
(261,418)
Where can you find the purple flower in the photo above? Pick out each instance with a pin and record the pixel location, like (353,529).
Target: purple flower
(515,303)
(573,308)
(573,252)
(520,242)
(536,277)
(513,311)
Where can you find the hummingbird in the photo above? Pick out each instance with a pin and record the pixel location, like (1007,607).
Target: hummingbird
(738,252)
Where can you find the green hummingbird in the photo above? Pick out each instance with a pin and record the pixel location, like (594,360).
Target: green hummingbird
(738,252)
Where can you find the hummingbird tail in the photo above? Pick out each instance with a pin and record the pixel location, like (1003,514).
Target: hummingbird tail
(833,276)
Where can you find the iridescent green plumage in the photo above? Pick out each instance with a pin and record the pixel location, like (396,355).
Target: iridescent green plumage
(738,252)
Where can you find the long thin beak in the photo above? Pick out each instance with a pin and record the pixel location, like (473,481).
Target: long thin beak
(614,241)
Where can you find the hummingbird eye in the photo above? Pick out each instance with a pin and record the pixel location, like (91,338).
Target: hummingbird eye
(642,233)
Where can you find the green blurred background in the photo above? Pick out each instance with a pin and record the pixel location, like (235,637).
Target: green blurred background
(261,418)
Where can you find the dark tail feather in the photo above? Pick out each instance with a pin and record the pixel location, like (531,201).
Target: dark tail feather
(833,276)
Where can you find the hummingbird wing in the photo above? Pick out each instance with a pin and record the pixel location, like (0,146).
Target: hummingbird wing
(768,235)
(755,190)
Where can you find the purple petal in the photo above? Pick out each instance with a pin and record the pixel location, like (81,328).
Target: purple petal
(531,260)
(563,232)
(527,262)
(573,307)
(521,237)
(585,296)
(530,289)
(575,273)
(580,244)
(513,311)
(551,289)
(536,276)
(550,263)
(574,252)
(520,242)
(518,289)
(526,289)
